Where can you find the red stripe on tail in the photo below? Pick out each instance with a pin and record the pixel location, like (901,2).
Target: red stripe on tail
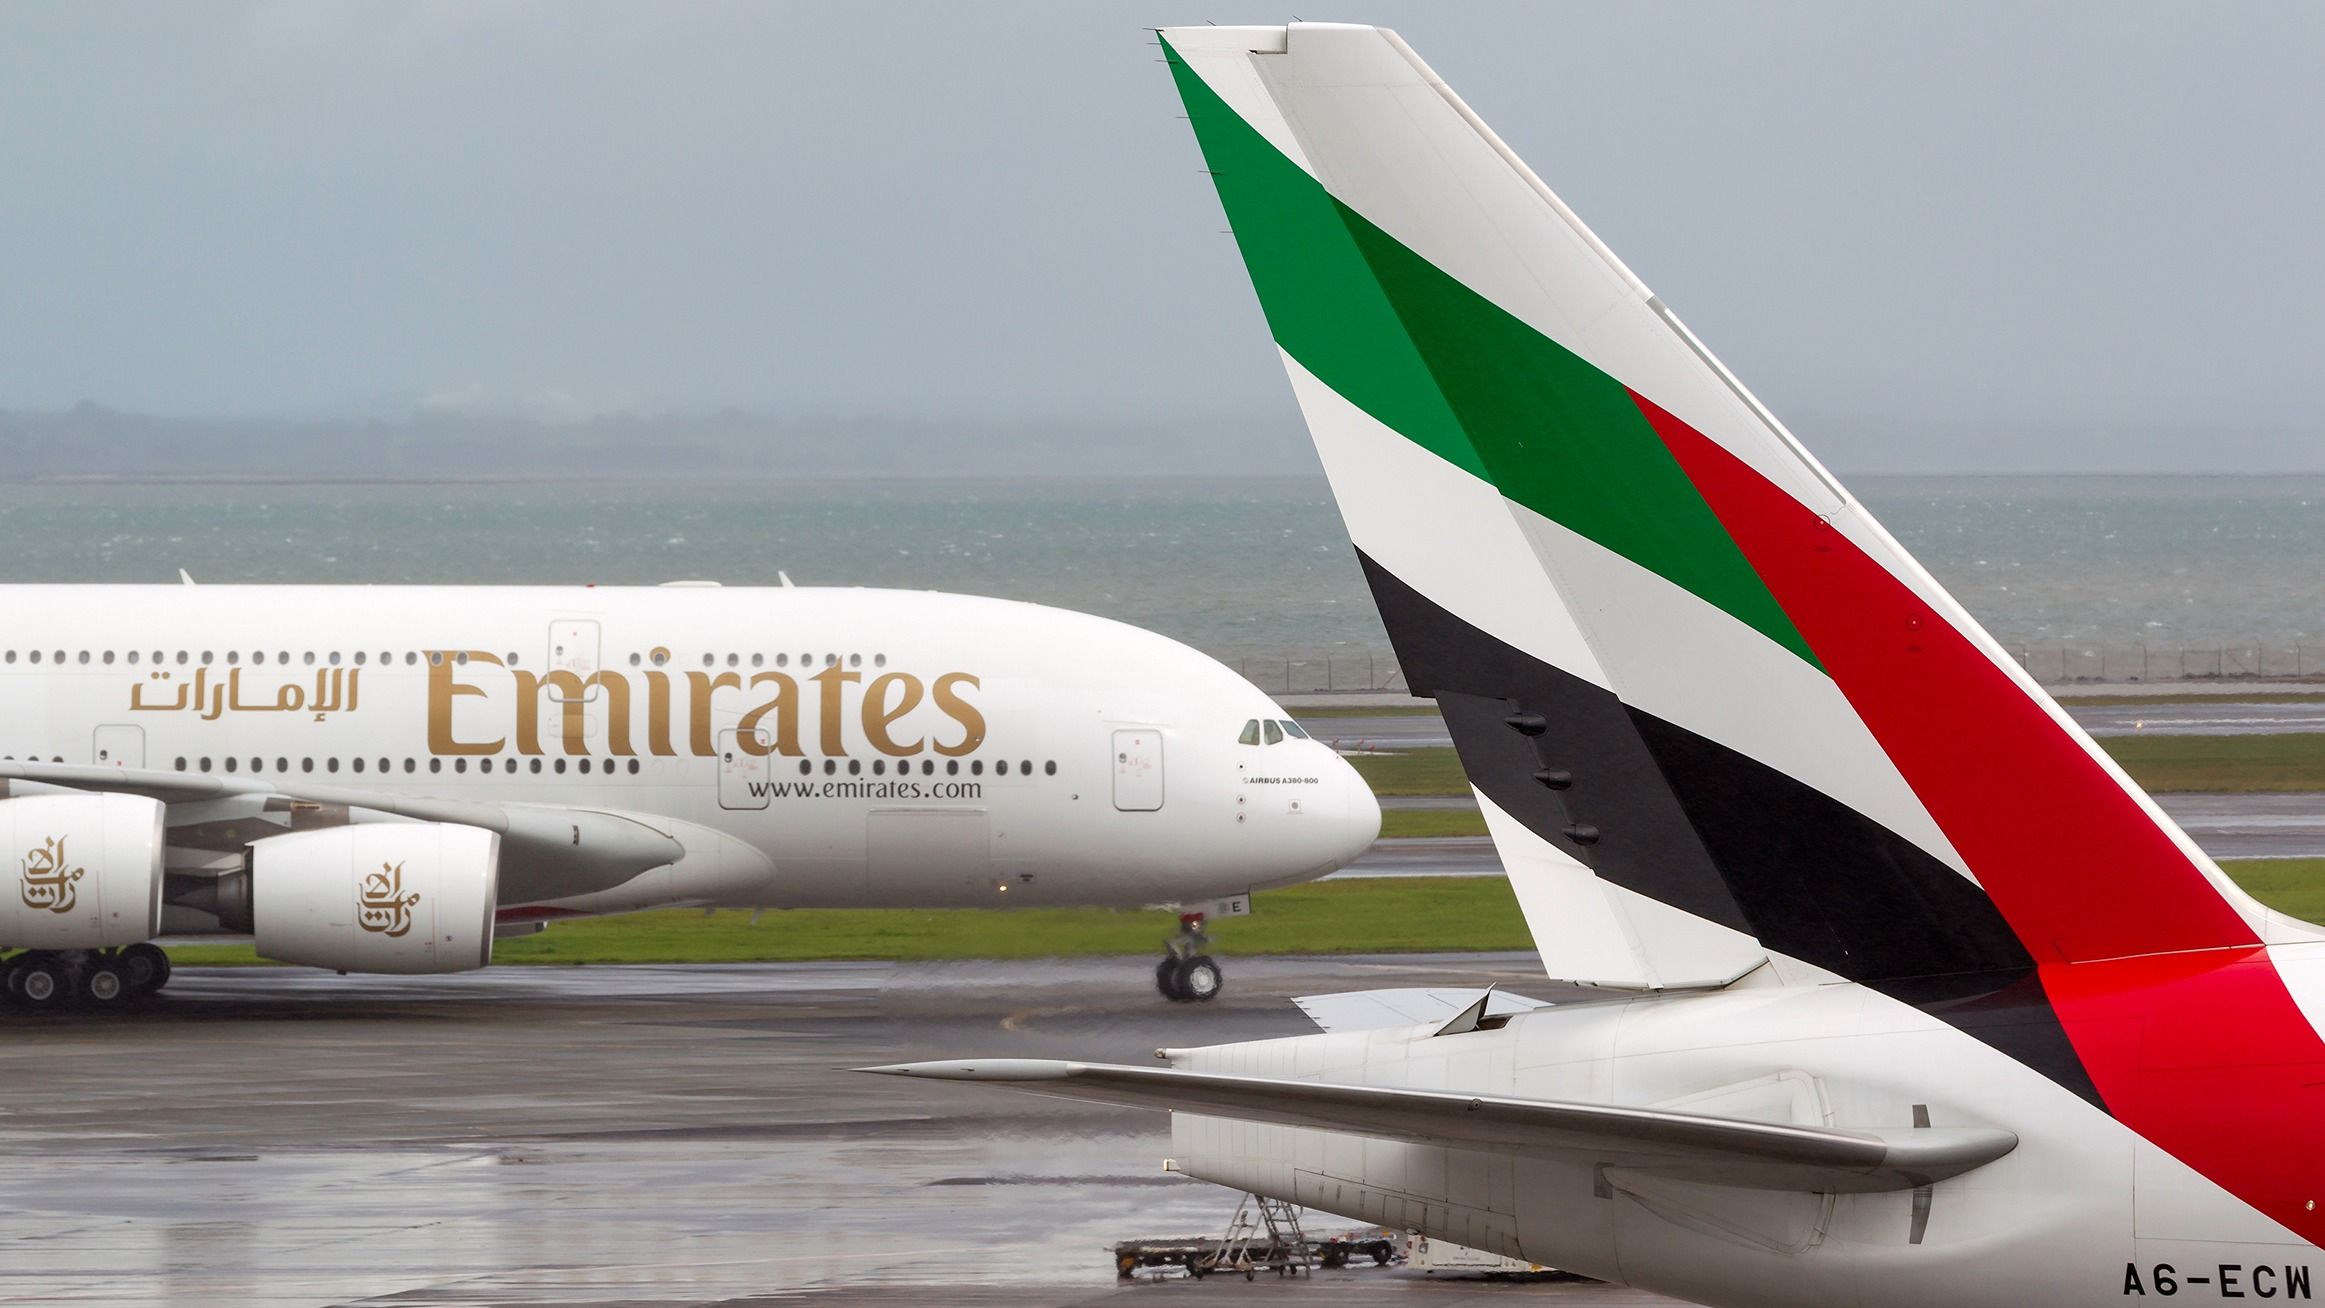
(2077,866)
(2180,1018)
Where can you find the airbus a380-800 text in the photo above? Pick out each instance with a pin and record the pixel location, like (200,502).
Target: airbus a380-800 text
(1909,996)
(379,779)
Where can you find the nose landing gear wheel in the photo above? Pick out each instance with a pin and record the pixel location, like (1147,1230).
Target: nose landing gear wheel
(1166,979)
(1199,980)
(1187,975)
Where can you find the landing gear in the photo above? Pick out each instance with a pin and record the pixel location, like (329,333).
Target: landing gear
(41,979)
(1187,975)
(145,967)
(100,984)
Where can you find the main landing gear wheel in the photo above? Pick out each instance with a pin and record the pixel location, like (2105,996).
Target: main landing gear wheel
(39,982)
(1186,974)
(101,984)
(145,967)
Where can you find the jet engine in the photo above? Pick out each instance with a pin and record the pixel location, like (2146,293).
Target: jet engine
(401,897)
(87,871)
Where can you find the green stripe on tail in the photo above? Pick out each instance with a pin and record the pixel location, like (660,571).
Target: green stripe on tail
(1460,376)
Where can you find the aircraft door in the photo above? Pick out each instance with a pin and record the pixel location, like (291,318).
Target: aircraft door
(119,747)
(1138,771)
(742,773)
(573,647)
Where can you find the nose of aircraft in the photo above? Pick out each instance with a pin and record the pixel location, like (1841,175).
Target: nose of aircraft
(1358,823)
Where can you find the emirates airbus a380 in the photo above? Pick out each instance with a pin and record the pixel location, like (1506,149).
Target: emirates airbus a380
(380,779)
(1908,996)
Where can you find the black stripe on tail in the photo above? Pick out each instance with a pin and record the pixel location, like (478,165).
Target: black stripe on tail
(1669,814)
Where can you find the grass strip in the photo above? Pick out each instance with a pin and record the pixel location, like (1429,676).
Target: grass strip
(2183,697)
(2294,886)
(1373,915)
(2294,761)
(1433,771)
(2291,762)
(1424,823)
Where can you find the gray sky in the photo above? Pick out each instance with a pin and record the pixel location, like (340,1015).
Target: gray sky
(1934,237)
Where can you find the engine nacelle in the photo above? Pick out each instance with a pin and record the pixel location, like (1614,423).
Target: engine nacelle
(87,874)
(401,897)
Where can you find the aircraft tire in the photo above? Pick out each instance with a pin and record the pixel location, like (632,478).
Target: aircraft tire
(1200,980)
(101,984)
(40,981)
(1170,978)
(145,967)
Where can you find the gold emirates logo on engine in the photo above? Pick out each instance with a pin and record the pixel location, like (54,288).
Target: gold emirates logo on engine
(383,907)
(666,714)
(48,881)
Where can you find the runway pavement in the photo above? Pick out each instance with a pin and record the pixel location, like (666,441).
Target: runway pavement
(633,1135)
(2222,718)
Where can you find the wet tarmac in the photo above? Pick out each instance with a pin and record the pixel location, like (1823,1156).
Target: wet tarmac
(634,1135)
(1394,731)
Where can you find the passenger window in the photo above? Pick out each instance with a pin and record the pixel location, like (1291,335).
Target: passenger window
(1275,734)
(1294,730)
(1250,734)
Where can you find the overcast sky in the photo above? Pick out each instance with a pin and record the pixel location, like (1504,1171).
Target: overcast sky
(1934,237)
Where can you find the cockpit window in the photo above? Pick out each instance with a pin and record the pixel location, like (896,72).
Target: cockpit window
(1250,734)
(1275,734)
(1294,730)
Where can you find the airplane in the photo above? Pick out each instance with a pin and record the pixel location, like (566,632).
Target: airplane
(1903,992)
(385,778)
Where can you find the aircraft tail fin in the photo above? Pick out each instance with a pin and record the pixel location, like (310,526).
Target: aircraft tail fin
(1712,710)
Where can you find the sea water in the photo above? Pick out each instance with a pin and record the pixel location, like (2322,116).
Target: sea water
(1251,570)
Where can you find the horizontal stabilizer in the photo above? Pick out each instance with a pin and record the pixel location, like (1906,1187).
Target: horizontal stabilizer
(1715,1150)
(1376,1010)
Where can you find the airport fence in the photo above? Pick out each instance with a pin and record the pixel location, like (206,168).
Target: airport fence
(2252,660)
(2050,664)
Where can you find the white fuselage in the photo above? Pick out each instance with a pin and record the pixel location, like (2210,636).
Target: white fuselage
(2083,1212)
(878,747)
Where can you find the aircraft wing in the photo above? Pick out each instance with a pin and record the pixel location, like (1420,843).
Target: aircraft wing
(1719,1150)
(547,851)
